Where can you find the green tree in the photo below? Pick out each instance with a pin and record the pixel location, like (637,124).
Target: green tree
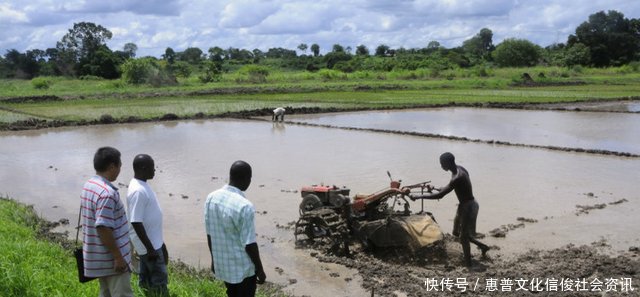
(192,55)
(102,62)
(169,55)
(433,45)
(315,49)
(337,48)
(516,53)
(130,49)
(79,44)
(480,46)
(382,50)
(303,48)
(216,54)
(577,54)
(362,50)
(611,38)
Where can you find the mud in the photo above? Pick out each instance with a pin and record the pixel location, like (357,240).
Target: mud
(396,273)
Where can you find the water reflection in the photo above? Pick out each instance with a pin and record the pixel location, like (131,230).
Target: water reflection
(588,130)
(193,158)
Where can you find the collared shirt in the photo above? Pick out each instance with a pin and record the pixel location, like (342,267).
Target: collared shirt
(229,221)
(101,206)
(143,207)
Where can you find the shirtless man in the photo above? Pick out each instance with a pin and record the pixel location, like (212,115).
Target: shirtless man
(467,212)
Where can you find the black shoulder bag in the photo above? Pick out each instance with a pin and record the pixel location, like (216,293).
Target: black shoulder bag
(77,253)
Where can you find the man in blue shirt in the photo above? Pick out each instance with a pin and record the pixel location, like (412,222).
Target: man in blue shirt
(230,225)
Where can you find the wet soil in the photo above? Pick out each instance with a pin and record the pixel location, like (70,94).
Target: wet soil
(399,273)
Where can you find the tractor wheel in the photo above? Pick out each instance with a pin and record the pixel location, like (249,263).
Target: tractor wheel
(309,202)
(337,200)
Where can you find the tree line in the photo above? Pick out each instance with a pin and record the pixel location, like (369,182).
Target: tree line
(605,39)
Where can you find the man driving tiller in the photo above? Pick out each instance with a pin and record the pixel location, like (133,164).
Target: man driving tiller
(467,212)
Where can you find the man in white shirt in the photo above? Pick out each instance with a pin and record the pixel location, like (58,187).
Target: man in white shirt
(145,216)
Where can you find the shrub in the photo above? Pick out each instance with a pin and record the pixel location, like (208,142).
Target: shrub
(41,82)
(330,74)
(146,70)
(116,84)
(212,72)
(90,77)
(255,73)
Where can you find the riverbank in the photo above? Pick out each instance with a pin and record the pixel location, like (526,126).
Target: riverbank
(36,261)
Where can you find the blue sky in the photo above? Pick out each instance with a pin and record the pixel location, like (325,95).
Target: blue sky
(154,25)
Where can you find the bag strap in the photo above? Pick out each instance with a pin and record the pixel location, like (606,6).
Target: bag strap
(78,225)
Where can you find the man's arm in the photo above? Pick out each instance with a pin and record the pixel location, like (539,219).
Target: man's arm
(213,268)
(106,236)
(441,192)
(138,227)
(254,254)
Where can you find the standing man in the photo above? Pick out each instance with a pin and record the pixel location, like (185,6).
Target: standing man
(105,244)
(231,235)
(467,212)
(145,216)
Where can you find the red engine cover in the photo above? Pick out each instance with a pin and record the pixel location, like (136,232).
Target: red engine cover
(319,189)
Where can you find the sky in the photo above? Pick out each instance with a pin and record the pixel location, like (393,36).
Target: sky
(154,25)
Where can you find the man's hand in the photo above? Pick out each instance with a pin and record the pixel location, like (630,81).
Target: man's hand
(152,255)
(261,277)
(120,265)
(430,188)
(405,191)
(165,253)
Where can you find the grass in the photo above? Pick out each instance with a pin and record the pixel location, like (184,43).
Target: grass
(33,266)
(90,99)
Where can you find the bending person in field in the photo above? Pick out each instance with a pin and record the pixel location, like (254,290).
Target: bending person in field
(467,212)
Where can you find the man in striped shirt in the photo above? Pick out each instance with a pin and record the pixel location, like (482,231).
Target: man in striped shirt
(231,235)
(105,229)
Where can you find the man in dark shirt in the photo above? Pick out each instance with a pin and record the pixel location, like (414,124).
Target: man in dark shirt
(467,212)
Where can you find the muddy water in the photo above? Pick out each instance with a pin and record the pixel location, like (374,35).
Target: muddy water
(47,168)
(588,130)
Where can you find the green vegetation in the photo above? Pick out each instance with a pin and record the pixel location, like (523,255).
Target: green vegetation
(89,99)
(83,80)
(33,266)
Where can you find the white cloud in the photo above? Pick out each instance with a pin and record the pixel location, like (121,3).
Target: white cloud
(157,24)
(9,15)
(246,13)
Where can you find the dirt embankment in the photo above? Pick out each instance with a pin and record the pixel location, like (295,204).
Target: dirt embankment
(39,123)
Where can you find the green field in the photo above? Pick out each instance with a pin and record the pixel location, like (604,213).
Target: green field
(31,265)
(90,99)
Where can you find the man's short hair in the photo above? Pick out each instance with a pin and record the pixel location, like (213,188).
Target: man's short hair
(104,157)
(141,161)
(447,158)
(240,171)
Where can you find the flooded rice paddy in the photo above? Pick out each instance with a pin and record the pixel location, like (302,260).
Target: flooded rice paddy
(557,190)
